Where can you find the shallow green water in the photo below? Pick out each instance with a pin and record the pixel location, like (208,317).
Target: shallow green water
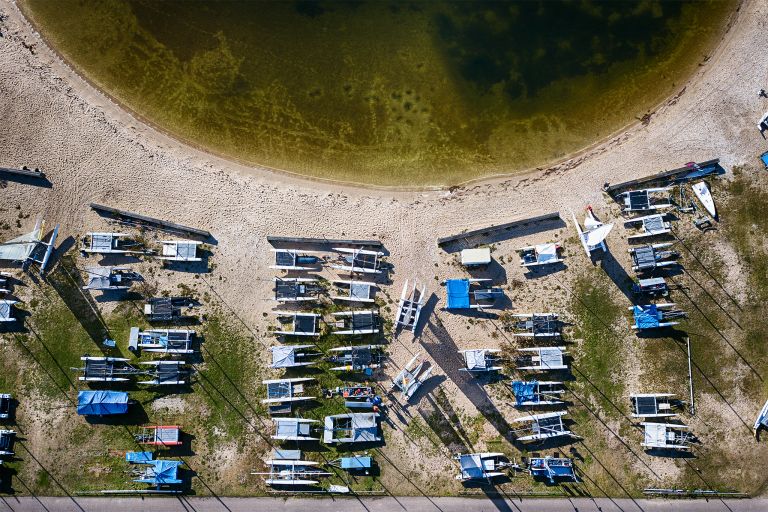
(393,93)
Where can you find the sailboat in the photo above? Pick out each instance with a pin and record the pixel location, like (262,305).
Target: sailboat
(701,189)
(593,235)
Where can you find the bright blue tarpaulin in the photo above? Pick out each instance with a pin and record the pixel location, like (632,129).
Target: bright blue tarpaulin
(646,317)
(524,391)
(161,472)
(139,457)
(764,158)
(458,293)
(101,403)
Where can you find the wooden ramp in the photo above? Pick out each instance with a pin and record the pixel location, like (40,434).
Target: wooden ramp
(495,228)
(36,173)
(136,219)
(665,176)
(321,241)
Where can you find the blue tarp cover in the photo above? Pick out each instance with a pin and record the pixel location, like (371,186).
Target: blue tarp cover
(101,403)
(458,293)
(646,317)
(524,391)
(139,457)
(764,158)
(164,472)
(355,462)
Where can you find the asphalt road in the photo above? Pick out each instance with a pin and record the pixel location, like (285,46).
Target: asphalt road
(384,504)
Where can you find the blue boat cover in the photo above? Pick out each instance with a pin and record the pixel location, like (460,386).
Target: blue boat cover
(355,462)
(646,317)
(764,158)
(139,457)
(524,391)
(458,293)
(163,472)
(101,403)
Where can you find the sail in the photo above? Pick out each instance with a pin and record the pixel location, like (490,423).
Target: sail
(596,236)
(590,222)
(21,247)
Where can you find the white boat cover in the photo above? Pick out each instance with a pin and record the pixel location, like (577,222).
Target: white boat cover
(546,253)
(475,359)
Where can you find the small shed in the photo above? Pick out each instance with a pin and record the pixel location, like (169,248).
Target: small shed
(476,257)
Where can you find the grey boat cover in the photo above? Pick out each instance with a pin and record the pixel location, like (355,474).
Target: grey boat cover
(283,357)
(364,428)
(291,428)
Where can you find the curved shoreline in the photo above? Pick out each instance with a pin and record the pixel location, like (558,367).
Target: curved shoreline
(574,158)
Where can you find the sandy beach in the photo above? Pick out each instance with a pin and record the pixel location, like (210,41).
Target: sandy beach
(93,151)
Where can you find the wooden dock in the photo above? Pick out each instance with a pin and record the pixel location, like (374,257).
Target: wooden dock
(508,226)
(137,219)
(322,241)
(36,173)
(664,176)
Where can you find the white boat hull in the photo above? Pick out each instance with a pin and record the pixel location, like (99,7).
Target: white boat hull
(701,190)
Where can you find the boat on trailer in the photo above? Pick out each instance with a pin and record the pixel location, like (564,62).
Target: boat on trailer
(295,259)
(648,225)
(647,258)
(355,322)
(354,291)
(652,287)
(539,427)
(357,358)
(537,325)
(286,468)
(541,359)
(110,278)
(411,377)
(652,405)
(481,360)
(409,307)
(667,436)
(538,255)
(358,260)
(297,323)
(481,466)
(470,294)
(537,393)
(551,468)
(653,316)
(646,199)
(111,243)
(24,249)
